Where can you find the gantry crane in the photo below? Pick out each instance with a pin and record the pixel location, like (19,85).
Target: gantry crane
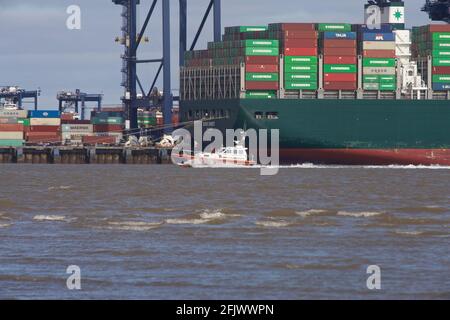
(132,38)
(72,100)
(14,95)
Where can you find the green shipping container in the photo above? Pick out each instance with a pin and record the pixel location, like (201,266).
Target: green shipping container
(440,36)
(11,143)
(261,77)
(441,78)
(261,95)
(25,122)
(263,51)
(388,79)
(441,62)
(437,45)
(300,68)
(253,28)
(262,43)
(110,120)
(300,85)
(300,77)
(371,79)
(340,27)
(379,62)
(340,68)
(441,53)
(371,86)
(388,87)
(307,60)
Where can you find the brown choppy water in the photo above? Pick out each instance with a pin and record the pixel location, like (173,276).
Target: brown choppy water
(162,232)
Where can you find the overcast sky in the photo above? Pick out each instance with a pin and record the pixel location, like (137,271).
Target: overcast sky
(38,51)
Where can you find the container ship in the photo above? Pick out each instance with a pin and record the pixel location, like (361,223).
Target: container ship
(339,93)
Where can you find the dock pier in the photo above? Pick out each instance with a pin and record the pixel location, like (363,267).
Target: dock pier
(85,155)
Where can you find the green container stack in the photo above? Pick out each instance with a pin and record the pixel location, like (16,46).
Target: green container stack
(146,119)
(300,72)
(434,41)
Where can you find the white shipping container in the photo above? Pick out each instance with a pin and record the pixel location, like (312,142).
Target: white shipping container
(402,50)
(402,36)
(45,122)
(379,71)
(22,114)
(119,136)
(379,45)
(12,135)
(75,128)
(74,135)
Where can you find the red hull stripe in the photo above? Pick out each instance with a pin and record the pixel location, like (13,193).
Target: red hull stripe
(425,157)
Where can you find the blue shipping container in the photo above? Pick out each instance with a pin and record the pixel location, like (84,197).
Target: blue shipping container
(45,114)
(441,86)
(379,36)
(340,35)
(384,28)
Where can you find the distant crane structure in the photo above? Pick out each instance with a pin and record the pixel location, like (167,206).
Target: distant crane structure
(132,38)
(438,10)
(14,95)
(73,100)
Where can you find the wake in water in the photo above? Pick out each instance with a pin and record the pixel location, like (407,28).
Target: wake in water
(51,218)
(203,217)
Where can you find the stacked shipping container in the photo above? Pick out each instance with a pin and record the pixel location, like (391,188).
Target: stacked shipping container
(299,45)
(12,127)
(379,59)
(45,127)
(340,60)
(434,41)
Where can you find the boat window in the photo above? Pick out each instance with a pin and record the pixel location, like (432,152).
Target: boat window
(259,115)
(197,114)
(189,115)
(272,115)
(235,152)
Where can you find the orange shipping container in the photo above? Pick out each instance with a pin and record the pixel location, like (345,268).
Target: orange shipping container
(337,43)
(11,127)
(339,51)
(379,54)
(255,68)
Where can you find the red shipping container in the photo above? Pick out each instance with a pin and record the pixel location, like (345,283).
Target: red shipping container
(255,68)
(44,128)
(336,43)
(98,140)
(439,28)
(379,54)
(295,26)
(261,60)
(341,77)
(340,59)
(339,51)
(11,127)
(261,85)
(300,51)
(437,70)
(339,85)
(299,35)
(67,116)
(108,128)
(299,43)
(42,134)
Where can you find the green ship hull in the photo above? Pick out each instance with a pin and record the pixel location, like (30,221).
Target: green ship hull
(356,132)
